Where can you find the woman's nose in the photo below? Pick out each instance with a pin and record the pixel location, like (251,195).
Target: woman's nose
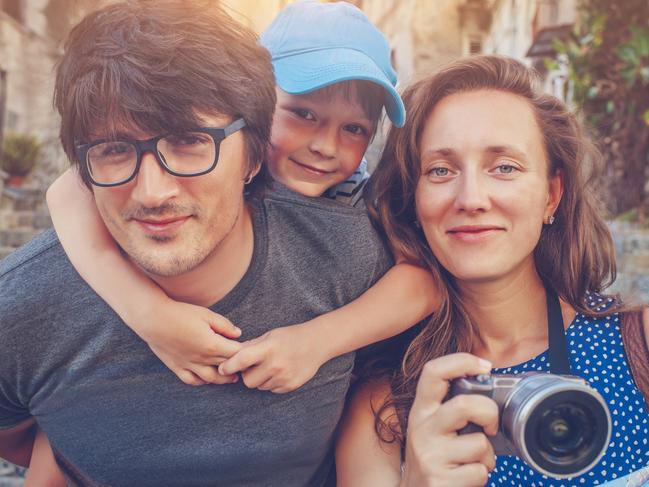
(472,193)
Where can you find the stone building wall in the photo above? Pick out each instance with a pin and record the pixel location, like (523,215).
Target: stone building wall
(437,34)
(27,57)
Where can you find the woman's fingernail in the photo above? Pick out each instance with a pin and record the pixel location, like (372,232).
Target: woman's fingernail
(485,364)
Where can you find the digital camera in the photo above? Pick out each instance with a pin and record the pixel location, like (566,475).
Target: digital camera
(558,424)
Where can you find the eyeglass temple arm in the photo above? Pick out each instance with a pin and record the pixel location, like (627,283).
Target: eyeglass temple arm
(238,124)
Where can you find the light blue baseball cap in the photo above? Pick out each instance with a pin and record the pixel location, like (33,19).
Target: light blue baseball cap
(315,44)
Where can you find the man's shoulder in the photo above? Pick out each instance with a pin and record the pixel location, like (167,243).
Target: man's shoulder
(33,251)
(35,271)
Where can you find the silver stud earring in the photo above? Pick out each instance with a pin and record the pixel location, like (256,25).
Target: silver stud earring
(550,219)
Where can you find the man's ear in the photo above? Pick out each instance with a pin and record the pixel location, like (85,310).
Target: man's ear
(251,174)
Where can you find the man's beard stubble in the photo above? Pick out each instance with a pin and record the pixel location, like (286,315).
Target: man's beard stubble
(174,264)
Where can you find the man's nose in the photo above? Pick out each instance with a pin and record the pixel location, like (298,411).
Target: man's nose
(153,185)
(325,141)
(472,192)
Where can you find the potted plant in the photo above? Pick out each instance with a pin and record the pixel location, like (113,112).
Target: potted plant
(20,154)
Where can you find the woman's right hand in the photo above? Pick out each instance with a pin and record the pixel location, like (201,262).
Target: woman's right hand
(435,454)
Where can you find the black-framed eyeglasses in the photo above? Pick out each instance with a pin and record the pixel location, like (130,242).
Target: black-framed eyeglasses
(183,154)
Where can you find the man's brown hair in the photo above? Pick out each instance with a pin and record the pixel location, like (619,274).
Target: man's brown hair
(151,65)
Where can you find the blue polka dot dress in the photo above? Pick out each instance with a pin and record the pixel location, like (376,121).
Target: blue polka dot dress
(597,355)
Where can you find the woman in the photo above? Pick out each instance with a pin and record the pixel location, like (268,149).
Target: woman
(486,184)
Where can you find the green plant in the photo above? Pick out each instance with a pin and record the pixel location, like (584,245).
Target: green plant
(608,58)
(20,154)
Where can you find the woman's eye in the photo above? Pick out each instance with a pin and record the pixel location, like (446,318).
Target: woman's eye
(506,168)
(303,113)
(439,172)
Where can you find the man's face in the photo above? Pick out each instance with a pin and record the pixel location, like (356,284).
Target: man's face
(169,225)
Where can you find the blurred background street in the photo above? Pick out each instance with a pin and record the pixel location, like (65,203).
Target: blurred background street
(594,54)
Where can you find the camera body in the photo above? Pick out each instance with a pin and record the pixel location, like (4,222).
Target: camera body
(558,424)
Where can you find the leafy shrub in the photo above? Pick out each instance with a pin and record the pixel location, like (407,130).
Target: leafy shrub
(20,154)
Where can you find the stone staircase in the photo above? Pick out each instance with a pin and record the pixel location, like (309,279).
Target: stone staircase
(632,252)
(10,475)
(23,215)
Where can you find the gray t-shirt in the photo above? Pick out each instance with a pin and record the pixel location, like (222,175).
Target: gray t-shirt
(115,415)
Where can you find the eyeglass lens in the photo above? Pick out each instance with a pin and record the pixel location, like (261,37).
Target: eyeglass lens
(186,154)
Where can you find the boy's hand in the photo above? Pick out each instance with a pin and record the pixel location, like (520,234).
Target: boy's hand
(191,341)
(279,361)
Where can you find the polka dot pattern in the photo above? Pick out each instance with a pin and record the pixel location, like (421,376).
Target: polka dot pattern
(597,355)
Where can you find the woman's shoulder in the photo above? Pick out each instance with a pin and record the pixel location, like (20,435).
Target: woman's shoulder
(363,456)
(370,411)
(370,396)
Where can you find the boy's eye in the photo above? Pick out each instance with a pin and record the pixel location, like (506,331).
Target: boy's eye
(303,113)
(356,129)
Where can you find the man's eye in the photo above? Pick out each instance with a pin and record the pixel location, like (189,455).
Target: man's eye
(189,139)
(114,149)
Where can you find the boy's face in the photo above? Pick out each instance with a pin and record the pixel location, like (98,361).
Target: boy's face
(317,142)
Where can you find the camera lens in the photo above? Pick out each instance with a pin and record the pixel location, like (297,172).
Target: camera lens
(564,431)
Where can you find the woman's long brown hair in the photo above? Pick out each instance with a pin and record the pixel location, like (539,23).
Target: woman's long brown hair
(573,256)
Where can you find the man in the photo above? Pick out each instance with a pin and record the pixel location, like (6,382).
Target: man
(114,414)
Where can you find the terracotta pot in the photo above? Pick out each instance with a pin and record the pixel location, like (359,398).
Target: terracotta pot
(15,181)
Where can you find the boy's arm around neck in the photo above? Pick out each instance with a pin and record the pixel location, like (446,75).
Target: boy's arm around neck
(93,252)
(405,295)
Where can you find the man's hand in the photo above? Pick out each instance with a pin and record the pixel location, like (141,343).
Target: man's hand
(279,361)
(191,341)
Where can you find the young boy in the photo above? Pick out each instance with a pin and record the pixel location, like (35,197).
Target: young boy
(334,77)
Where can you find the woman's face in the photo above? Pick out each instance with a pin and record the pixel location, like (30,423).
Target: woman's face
(484,189)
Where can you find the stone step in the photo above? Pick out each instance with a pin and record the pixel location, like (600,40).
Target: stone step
(637,262)
(20,199)
(38,220)
(17,237)
(5,251)
(10,475)
(11,482)
(635,244)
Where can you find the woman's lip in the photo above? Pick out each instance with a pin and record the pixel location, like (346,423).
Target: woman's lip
(473,228)
(166,226)
(474,233)
(310,169)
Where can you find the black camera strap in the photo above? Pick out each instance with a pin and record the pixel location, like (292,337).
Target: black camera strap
(558,345)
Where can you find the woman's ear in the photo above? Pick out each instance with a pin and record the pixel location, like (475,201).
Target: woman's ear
(555,192)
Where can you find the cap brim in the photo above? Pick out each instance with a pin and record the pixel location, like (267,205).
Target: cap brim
(310,71)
